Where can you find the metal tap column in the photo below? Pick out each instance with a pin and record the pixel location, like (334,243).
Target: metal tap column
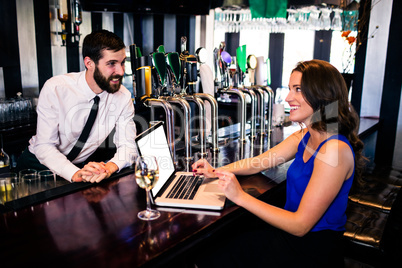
(253,109)
(186,123)
(152,102)
(242,99)
(270,93)
(262,107)
(214,118)
(198,101)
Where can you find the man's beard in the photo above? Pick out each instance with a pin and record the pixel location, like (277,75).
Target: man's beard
(104,82)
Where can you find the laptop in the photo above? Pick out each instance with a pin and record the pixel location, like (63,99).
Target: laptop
(174,188)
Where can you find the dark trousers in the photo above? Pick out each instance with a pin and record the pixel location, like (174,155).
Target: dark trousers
(28,160)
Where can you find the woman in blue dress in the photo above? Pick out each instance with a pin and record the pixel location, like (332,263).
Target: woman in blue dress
(327,156)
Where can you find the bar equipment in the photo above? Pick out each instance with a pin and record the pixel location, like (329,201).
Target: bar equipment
(183,55)
(171,83)
(190,72)
(144,93)
(174,73)
(269,99)
(207,83)
(189,80)
(241,69)
(263,80)
(262,104)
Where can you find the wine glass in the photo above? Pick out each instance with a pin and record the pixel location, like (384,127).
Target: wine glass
(337,20)
(146,176)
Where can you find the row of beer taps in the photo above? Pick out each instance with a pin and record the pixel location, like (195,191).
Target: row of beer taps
(232,82)
(168,80)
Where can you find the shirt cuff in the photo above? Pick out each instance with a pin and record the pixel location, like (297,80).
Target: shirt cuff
(119,164)
(68,172)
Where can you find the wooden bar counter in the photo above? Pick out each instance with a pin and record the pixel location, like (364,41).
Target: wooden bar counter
(97,225)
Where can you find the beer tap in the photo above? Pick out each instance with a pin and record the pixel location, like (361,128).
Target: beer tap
(208,88)
(173,64)
(263,77)
(241,69)
(174,72)
(251,65)
(225,60)
(145,94)
(183,56)
(188,82)
(159,62)
(191,80)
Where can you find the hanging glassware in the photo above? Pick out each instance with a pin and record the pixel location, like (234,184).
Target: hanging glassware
(325,20)
(291,20)
(313,20)
(303,18)
(336,24)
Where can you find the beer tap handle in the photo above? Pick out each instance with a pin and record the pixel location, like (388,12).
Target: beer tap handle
(183,44)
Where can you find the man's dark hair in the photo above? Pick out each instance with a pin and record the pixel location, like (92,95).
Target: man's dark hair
(97,41)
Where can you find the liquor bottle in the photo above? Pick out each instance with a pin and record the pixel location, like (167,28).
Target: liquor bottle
(77,18)
(62,15)
(4,159)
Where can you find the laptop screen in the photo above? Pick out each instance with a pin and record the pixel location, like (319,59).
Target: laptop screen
(153,142)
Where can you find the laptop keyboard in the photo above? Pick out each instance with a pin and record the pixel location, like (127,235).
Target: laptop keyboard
(185,187)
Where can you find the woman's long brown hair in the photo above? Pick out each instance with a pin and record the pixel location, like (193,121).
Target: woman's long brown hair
(324,89)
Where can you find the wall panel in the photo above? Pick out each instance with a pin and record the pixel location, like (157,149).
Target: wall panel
(27,48)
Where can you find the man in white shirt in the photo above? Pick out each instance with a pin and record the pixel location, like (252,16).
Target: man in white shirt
(64,105)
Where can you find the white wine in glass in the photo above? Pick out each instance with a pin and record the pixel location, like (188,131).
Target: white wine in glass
(146,176)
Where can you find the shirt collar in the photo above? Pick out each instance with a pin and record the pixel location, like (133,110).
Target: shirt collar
(88,91)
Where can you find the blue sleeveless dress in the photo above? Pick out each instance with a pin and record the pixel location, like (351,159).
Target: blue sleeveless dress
(298,177)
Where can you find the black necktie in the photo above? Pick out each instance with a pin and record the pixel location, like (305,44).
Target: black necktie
(85,132)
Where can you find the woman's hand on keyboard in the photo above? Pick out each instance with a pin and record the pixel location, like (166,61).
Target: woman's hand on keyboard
(202,167)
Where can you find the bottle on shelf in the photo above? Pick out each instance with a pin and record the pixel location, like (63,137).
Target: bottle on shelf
(4,159)
(62,15)
(77,10)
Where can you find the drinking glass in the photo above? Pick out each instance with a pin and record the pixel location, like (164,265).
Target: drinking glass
(29,178)
(4,114)
(7,187)
(325,20)
(291,20)
(313,20)
(47,179)
(146,176)
(336,24)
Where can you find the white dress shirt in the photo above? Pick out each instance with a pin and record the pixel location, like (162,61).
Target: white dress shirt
(63,107)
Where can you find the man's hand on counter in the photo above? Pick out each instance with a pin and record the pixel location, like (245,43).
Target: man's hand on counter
(95,172)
